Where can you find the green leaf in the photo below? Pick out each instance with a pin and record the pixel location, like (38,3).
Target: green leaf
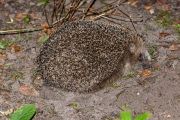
(125,115)
(143,116)
(29,36)
(2,45)
(44,39)
(41,3)
(74,105)
(124,107)
(24,113)
(26,19)
(8,64)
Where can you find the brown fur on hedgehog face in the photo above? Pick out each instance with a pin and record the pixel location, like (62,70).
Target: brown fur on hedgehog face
(137,54)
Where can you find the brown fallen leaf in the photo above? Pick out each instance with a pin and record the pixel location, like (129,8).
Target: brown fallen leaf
(44,24)
(19,16)
(127,2)
(157,67)
(146,73)
(41,101)
(1,1)
(28,90)
(15,48)
(163,34)
(174,47)
(41,33)
(176,22)
(1,80)
(33,16)
(47,31)
(1,60)
(161,1)
(5,15)
(3,53)
(166,7)
(134,3)
(147,7)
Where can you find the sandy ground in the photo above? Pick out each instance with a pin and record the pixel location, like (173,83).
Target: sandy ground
(158,93)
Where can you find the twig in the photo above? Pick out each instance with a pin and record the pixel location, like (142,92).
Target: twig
(119,8)
(87,9)
(17,31)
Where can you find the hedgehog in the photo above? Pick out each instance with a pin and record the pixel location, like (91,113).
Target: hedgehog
(85,56)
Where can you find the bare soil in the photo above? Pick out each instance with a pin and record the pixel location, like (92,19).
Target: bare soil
(157,93)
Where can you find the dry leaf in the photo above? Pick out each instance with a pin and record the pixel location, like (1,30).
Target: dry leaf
(28,90)
(151,11)
(41,101)
(5,15)
(15,48)
(8,112)
(161,1)
(157,67)
(1,80)
(19,16)
(44,24)
(41,33)
(92,17)
(171,57)
(128,2)
(3,53)
(176,22)
(0,8)
(134,3)
(166,7)
(1,1)
(33,16)
(1,60)
(163,34)
(47,31)
(146,73)
(147,7)
(174,47)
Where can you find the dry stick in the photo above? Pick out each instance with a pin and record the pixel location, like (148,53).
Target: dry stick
(21,30)
(60,10)
(119,8)
(87,9)
(45,12)
(103,14)
(71,12)
(53,11)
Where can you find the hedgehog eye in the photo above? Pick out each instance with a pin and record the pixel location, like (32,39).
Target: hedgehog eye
(140,57)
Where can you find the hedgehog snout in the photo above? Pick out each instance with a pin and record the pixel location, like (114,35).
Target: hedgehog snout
(145,59)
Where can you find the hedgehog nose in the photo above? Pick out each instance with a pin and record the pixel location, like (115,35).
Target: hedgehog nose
(140,57)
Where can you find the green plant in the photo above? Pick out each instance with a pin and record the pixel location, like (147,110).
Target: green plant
(129,75)
(43,2)
(24,113)
(126,115)
(4,43)
(16,74)
(113,85)
(152,51)
(44,39)
(177,28)
(164,19)
(26,19)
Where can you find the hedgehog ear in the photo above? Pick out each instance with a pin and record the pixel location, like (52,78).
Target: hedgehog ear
(132,47)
